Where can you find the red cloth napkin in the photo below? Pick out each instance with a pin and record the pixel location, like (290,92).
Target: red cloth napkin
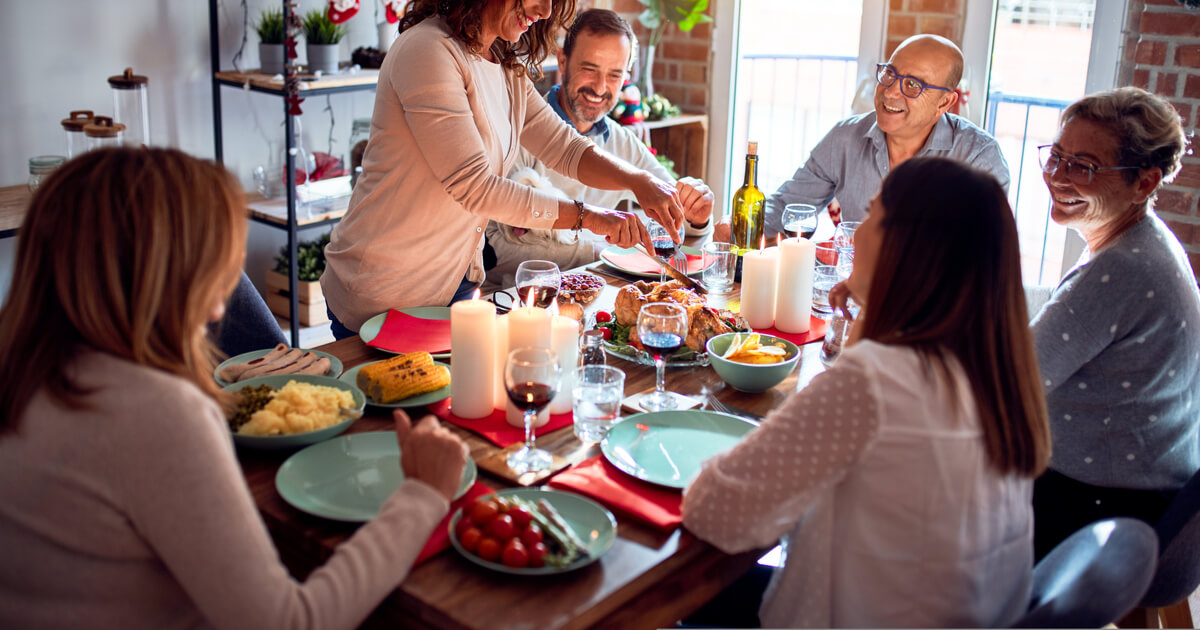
(816,332)
(656,506)
(640,263)
(440,538)
(495,428)
(404,333)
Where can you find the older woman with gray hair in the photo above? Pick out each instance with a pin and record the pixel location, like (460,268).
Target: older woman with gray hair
(1119,340)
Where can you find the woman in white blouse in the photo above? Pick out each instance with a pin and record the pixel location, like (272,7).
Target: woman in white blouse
(900,479)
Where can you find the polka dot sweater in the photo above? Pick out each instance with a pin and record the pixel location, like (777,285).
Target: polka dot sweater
(1119,348)
(875,477)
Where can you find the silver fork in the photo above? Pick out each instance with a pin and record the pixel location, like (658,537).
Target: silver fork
(718,406)
(679,261)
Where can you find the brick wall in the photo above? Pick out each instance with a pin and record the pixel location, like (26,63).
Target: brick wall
(939,17)
(683,61)
(1162,55)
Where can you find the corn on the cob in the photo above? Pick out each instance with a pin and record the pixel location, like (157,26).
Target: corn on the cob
(402,377)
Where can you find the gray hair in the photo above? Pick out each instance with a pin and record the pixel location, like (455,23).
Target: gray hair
(1148,129)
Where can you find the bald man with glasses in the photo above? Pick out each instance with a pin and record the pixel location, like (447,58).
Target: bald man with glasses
(913,98)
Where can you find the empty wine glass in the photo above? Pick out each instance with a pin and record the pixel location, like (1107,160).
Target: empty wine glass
(531,379)
(540,277)
(843,236)
(661,327)
(799,219)
(664,245)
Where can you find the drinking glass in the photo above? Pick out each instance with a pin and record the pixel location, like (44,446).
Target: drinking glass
(825,277)
(843,235)
(720,263)
(531,379)
(845,263)
(540,277)
(664,245)
(826,253)
(597,400)
(799,219)
(661,327)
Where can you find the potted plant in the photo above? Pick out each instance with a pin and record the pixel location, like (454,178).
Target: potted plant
(683,13)
(310,264)
(321,37)
(271,33)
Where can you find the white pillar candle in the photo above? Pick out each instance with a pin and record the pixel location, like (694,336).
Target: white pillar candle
(759,272)
(472,365)
(528,327)
(794,289)
(564,341)
(499,395)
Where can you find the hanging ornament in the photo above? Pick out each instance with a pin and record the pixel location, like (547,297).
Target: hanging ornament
(289,44)
(341,10)
(395,8)
(293,101)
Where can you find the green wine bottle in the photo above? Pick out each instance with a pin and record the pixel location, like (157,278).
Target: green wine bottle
(747,228)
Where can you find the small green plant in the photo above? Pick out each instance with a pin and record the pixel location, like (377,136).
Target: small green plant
(318,29)
(310,259)
(270,27)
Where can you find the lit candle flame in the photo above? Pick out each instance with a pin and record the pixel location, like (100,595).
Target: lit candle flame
(762,242)
(476,295)
(532,300)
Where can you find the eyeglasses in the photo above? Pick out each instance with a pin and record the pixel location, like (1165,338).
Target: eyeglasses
(912,87)
(1078,171)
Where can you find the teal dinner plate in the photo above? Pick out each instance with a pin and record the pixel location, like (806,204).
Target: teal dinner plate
(370,328)
(608,252)
(668,447)
(348,478)
(420,400)
(335,365)
(296,440)
(593,524)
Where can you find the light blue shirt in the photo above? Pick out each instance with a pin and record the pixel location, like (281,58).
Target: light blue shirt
(1119,349)
(851,161)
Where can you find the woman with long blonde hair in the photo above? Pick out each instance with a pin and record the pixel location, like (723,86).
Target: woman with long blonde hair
(122,503)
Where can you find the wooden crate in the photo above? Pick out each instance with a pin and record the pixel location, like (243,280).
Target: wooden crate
(310,300)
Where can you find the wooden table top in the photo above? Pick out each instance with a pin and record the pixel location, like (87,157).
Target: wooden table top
(648,579)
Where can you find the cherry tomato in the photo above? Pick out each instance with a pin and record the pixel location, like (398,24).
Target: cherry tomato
(483,511)
(532,535)
(515,555)
(520,516)
(606,332)
(463,522)
(502,527)
(537,555)
(603,317)
(488,549)
(470,538)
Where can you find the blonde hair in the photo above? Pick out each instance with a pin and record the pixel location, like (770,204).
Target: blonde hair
(125,251)
(1148,129)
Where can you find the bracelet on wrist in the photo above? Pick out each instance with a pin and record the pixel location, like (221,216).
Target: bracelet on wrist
(700,226)
(578,221)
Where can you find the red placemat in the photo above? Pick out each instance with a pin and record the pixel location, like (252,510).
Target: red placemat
(816,332)
(638,262)
(440,538)
(404,333)
(495,428)
(656,506)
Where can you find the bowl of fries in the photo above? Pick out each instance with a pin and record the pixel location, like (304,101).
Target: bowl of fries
(752,362)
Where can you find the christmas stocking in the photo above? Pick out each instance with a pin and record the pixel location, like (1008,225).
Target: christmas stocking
(342,10)
(395,8)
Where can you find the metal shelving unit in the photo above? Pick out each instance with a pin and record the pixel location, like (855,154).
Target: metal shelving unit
(264,84)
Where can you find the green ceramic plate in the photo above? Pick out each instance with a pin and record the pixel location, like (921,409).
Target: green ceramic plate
(335,365)
(348,478)
(608,252)
(428,398)
(279,442)
(668,447)
(594,525)
(371,327)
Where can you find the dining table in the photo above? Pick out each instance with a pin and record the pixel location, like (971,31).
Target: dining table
(649,578)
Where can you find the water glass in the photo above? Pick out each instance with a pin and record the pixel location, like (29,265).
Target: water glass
(843,235)
(827,253)
(719,264)
(597,400)
(845,262)
(825,277)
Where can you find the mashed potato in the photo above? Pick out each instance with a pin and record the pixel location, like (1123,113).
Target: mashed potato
(299,408)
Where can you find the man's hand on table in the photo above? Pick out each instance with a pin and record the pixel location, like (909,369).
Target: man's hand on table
(430,453)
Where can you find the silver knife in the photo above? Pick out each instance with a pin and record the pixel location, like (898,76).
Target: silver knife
(673,272)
